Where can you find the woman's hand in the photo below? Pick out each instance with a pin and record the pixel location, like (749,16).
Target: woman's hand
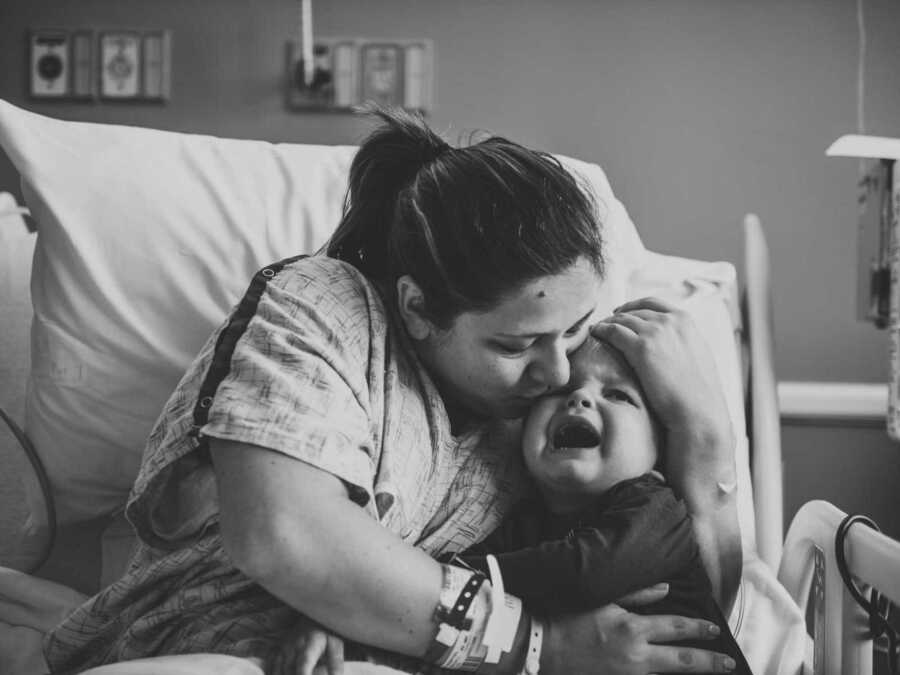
(308,649)
(612,640)
(679,377)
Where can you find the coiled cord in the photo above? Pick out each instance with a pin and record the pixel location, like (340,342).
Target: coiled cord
(879,607)
(44,482)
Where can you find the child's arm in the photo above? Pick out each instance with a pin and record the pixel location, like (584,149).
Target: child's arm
(643,538)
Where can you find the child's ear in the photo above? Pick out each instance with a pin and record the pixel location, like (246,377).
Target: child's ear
(411,303)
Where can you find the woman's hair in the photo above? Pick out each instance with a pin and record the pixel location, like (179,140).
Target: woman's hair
(470,224)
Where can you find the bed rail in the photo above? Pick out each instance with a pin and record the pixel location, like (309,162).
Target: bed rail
(841,627)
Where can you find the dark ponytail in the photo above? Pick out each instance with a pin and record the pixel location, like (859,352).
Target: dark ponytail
(468,224)
(386,164)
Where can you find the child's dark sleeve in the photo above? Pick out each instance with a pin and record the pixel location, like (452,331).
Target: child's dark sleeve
(638,539)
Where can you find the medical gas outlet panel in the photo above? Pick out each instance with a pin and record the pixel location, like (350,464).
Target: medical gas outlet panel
(108,64)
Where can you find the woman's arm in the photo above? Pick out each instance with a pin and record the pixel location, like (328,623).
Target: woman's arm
(672,361)
(711,499)
(320,553)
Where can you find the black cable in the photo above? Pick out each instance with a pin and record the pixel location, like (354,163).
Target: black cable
(878,608)
(43,481)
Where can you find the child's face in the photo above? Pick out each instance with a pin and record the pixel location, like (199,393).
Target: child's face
(599,432)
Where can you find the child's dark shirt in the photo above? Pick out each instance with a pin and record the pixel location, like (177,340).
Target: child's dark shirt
(635,535)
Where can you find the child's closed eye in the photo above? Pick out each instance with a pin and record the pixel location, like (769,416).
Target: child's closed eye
(619,395)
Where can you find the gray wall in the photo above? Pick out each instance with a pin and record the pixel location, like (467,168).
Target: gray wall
(700,110)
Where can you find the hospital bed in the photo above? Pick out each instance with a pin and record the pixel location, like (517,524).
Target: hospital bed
(144,241)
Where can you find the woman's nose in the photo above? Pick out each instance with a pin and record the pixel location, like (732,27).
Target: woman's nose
(578,400)
(553,369)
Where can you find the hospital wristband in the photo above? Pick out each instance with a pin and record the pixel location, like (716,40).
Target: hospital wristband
(503,621)
(535,646)
(468,651)
(513,661)
(471,647)
(457,640)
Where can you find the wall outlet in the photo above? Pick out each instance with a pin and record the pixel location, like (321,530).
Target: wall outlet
(50,65)
(120,65)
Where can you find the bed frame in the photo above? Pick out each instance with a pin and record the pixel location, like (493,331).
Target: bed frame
(807,559)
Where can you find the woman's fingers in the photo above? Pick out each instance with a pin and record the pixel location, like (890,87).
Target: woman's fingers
(655,304)
(626,333)
(665,659)
(644,596)
(659,630)
(334,655)
(633,320)
(662,628)
(617,333)
(311,653)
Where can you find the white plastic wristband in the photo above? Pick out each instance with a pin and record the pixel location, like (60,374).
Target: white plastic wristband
(467,652)
(500,631)
(535,644)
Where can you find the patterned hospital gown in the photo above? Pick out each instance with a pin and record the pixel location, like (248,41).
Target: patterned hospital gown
(309,364)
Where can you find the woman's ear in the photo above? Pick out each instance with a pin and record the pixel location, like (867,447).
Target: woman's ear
(411,303)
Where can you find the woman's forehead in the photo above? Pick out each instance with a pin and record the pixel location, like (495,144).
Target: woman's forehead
(546,305)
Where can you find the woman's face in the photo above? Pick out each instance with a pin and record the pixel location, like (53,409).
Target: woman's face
(496,363)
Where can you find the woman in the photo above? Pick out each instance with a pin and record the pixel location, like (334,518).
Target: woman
(356,416)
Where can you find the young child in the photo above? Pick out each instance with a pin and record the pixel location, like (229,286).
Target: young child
(605,522)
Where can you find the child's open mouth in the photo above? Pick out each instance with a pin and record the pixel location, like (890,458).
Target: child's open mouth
(575,432)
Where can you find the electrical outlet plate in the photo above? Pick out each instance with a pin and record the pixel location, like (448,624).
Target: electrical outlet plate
(75,63)
(350,71)
(50,66)
(120,65)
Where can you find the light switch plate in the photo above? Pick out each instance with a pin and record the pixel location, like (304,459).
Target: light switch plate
(155,59)
(82,64)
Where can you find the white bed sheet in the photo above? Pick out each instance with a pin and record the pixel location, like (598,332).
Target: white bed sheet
(768,626)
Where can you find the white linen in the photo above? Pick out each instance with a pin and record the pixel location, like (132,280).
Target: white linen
(767,624)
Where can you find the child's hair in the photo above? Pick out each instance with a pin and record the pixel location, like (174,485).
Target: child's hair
(468,224)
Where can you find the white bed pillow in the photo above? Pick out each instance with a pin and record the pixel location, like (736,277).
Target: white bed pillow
(146,240)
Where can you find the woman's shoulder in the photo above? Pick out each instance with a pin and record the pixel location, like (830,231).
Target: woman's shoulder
(324,285)
(328,273)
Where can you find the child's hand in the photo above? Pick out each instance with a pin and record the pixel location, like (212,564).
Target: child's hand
(308,649)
